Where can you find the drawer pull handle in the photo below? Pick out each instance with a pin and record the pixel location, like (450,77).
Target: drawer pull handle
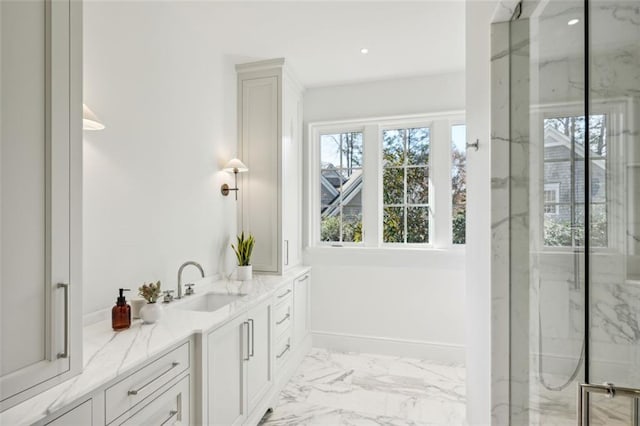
(306,277)
(286,317)
(140,389)
(65,353)
(284,294)
(172,414)
(284,351)
(248,340)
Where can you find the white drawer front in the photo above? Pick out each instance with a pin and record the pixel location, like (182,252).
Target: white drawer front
(169,408)
(282,318)
(131,390)
(82,415)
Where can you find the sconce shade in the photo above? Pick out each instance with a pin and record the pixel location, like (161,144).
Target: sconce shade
(89,120)
(235,166)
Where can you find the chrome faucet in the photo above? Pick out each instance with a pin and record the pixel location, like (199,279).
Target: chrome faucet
(184,265)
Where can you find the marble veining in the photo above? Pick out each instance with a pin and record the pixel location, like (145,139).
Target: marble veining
(107,354)
(331,388)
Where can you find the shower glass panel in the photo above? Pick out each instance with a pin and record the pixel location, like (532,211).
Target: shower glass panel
(548,129)
(574,199)
(614,252)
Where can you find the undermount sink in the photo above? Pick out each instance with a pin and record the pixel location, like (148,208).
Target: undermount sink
(209,302)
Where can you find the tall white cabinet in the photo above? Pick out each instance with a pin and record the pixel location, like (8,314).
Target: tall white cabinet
(40,195)
(270,144)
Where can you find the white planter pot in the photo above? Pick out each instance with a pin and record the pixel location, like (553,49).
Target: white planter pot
(151,312)
(244,273)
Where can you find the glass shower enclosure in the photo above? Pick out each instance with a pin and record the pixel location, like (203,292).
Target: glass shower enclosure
(574,200)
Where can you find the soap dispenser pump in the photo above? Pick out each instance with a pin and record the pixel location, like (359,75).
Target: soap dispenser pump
(121,313)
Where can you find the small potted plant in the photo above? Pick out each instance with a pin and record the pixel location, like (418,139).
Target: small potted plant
(152,311)
(243,252)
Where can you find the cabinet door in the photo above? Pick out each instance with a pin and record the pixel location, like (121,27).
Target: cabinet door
(169,408)
(41,166)
(260,150)
(291,175)
(228,351)
(260,366)
(301,293)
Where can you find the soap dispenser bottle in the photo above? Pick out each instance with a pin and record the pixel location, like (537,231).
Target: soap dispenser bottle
(121,313)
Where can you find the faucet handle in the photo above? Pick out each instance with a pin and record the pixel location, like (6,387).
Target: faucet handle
(167,296)
(190,289)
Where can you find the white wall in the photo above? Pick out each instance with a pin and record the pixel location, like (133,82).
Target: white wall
(152,177)
(401,302)
(435,93)
(478,284)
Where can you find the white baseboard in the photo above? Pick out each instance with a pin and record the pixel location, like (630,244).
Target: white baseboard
(443,352)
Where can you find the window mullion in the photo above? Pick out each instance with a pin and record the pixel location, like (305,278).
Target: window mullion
(372,186)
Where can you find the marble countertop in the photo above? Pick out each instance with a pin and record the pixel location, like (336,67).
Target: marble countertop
(108,354)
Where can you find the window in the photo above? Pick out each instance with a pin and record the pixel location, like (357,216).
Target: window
(551,198)
(459,183)
(387,182)
(563,201)
(405,183)
(341,187)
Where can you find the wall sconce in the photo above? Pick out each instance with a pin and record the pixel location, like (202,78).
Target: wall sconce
(236,166)
(89,120)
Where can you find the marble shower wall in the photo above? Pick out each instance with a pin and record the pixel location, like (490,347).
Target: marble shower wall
(615,292)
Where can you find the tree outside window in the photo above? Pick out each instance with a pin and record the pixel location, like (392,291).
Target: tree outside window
(405,180)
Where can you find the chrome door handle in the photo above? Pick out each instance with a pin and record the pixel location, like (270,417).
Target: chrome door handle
(611,391)
(248,353)
(174,364)
(306,277)
(252,338)
(65,353)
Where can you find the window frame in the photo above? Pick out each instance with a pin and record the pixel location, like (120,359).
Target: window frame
(440,199)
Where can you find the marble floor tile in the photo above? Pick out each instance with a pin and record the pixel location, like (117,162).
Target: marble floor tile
(332,388)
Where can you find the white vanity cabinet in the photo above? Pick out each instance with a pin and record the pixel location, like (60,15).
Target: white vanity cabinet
(40,196)
(237,363)
(270,135)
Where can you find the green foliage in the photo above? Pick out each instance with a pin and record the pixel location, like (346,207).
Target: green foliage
(558,232)
(351,229)
(460,227)
(244,249)
(393,225)
(150,292)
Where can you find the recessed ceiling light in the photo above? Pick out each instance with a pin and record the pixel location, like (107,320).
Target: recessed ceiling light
(573,21)
(364,50)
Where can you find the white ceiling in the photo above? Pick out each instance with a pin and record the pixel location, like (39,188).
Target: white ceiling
(322,39)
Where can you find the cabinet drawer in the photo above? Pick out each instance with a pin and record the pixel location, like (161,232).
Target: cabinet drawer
(284,293)
(82,415)
(131,390)
(282,317)
(283,350)
(170,407)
